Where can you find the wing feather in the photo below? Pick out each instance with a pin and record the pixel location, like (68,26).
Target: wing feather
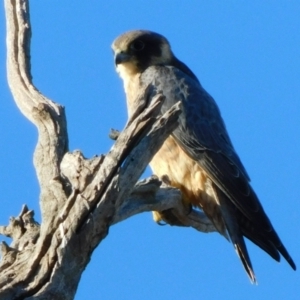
(203,136)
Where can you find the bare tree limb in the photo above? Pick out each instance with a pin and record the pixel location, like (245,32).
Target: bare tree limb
(149,195)
(48,116)
(80,198)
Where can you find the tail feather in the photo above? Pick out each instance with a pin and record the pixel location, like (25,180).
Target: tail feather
(242,252)
(235,233)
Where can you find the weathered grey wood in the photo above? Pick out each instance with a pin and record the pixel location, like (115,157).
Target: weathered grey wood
(80,198)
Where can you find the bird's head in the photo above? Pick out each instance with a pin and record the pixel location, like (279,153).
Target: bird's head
(136,50)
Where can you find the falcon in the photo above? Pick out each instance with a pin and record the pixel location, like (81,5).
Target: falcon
(198,157)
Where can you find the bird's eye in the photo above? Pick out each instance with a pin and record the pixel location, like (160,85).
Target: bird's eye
(137,45)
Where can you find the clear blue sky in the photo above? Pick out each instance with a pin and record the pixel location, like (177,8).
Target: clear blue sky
(247,55)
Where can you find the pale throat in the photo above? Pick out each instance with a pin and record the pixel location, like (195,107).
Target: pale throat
(127,72)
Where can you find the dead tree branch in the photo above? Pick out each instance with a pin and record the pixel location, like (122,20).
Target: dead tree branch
(80,198)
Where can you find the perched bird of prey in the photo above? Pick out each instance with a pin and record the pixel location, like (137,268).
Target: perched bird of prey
(198,157)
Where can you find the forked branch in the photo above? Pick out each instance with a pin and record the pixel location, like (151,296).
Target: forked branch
(80,198)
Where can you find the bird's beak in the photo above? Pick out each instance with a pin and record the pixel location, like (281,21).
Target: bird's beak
(121,57)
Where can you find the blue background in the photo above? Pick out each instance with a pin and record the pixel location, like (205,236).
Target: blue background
(246,54)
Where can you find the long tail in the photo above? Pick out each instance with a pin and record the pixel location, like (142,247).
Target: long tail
(236,235)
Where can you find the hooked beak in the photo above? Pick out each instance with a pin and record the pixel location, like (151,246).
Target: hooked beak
(121,57)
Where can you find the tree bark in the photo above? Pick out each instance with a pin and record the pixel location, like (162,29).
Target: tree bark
(80,198)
